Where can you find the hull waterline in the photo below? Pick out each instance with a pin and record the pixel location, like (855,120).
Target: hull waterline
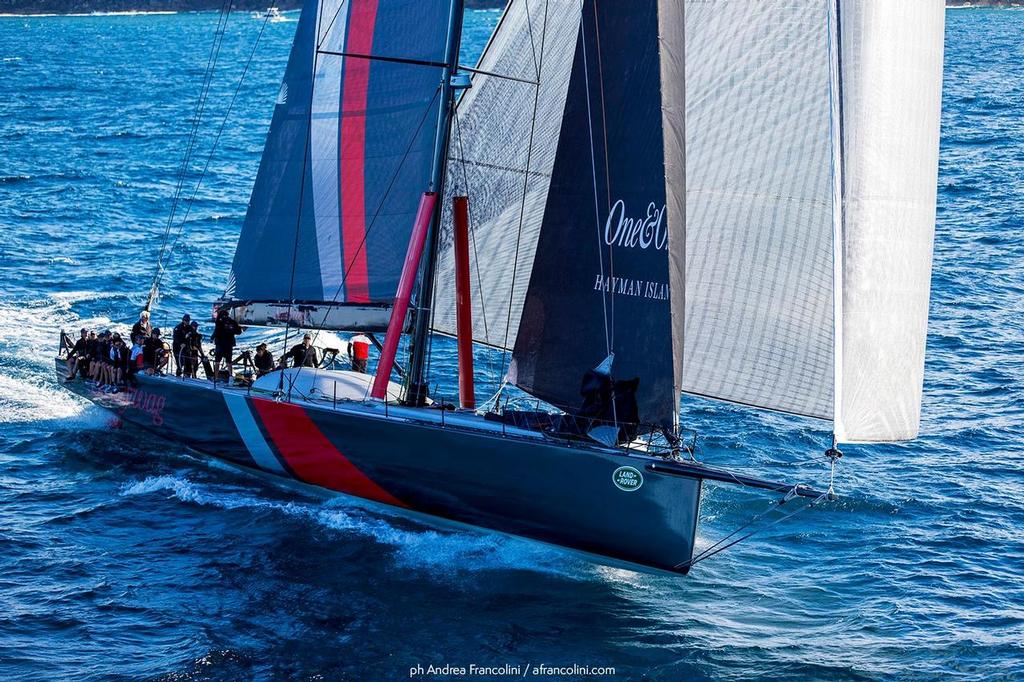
(456,467)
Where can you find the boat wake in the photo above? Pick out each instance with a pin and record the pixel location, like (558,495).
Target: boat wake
(34,400)
(440,552)
(28,391)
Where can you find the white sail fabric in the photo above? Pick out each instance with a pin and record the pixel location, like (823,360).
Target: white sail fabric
(758,276)
(810,216)
(490,152)
(892,66)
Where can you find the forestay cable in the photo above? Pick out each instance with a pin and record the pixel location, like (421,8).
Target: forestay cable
(197,116)
(161,266)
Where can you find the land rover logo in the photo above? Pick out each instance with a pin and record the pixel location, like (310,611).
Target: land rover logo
(628,479)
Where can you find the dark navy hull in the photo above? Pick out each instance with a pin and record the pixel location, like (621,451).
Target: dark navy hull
(457,467)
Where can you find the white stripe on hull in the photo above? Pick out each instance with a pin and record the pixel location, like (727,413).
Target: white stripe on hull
(251,434)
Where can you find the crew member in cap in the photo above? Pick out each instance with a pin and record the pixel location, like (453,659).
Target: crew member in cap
(304,354)
(263,360)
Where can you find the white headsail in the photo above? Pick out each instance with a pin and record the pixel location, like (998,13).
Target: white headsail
(812,155)
(892,55)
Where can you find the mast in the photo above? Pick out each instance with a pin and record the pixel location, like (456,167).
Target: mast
(416,390)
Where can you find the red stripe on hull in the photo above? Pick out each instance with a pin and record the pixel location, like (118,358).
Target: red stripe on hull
(362,18)
(313,457)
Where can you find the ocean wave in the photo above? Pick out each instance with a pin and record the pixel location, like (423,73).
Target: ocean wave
(437,551)
(39,400)
(63,260)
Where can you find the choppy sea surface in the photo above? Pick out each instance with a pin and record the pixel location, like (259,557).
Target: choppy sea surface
(127,558)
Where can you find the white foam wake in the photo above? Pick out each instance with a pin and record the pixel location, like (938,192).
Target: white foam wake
(34,399)
(29,391)
(444,552)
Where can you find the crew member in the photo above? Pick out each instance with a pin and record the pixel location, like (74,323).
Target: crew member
(118,362)
(142,326)
(192,350)
(135,358)
(223,337)
(78,355)
(304,354)
(359,352)
(154,353)
(263,360)
(100,358)
(178,338)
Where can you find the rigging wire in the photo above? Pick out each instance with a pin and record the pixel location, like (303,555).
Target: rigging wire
(533,43)
(161,269)
(607,169)
(197,116)
(298,213)
(322,37)
(526,180)
(721,545)
(597,209)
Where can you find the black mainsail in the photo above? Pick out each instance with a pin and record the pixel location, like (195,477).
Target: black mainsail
(567,177)
(600,283)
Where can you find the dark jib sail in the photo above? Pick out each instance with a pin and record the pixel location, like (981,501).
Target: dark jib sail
(601,279)
(347,155)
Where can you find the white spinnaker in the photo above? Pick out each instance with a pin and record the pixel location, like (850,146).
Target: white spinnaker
(490,152)
(892,71)
(758,297)
(767,145)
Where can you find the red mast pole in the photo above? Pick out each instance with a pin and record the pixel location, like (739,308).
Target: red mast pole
(405,284)
(463,307)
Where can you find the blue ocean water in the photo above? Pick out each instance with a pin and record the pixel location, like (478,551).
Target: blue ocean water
(127,558)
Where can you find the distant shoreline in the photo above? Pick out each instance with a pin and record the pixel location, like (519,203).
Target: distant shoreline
(146,7)
(140,7)
(983,4)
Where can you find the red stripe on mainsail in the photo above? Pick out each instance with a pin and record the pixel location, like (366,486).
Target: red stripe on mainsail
(352,151)
(311,456)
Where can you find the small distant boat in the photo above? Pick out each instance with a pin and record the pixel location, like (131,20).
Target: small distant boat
(271,14)
(765,242)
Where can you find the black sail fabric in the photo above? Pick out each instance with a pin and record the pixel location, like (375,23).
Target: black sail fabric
(601,276)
